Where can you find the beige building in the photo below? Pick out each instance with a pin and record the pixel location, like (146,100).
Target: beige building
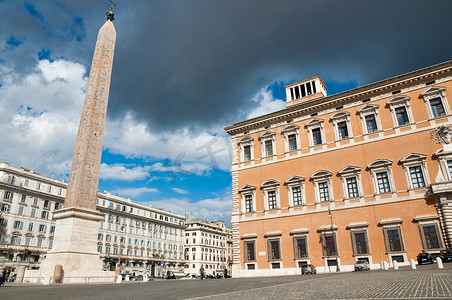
(139,238)
(364,174)
(206,244)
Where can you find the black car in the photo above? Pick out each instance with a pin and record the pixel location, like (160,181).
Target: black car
(446,256)
(424,258)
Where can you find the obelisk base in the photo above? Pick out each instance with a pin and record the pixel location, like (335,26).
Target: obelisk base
(75,248)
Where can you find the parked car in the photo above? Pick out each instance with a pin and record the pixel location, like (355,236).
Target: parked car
(188,277)
(137,278)
(446,255)
(362,265)
(424,257)
(308,269)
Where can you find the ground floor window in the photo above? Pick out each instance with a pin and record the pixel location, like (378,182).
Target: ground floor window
(393,239)
(430,236)
(274,250)
(360,242)
(329,244)
(301,247)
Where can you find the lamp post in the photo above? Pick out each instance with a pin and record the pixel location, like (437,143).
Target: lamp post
(332,231)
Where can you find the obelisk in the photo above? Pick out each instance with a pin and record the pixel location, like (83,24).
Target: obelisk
(75,240)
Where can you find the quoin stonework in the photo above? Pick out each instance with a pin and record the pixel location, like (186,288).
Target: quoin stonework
(364,174)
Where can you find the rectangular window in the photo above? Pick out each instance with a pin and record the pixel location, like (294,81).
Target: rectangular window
(360,242)
(44,215)
(296,194)
(393,240)
(329,245)
(33,212)
(417,178)
(39,244)
(316,136)
(247,153)
(371,123)
(274,250)
(268,148)
(272,200)
(301,247)
(292,142)
(352,187)
(6,207)
(42,228)
(46,204)
(437,107)
(248,203)
(449,166)
(23,199)
(17,224)
(26,182)
(49,188)
(27,241)
(15,240)
(323,191)
(431,237)
(402,115)
(20,210)
(50,243)
(52,229)
(383,183)
(8,195)
(342,130)
(38,185)
(30,226)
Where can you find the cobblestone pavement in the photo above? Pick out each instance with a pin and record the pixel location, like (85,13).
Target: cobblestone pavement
(426,282)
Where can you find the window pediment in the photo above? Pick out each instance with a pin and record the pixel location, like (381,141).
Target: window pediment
(340,115)
(413,157)
(382,162)
(368,107)
(321,174)
(270,183)
(294,179)
(246,139)
(349,169)
(398,99)
(315,121)
(291,127)
(247,188)
(267,134)
(433,90)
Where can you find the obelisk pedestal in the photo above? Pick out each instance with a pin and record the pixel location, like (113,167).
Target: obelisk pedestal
(77,225)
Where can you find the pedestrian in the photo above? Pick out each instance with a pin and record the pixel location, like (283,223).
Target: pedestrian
(201,271)
(2,277)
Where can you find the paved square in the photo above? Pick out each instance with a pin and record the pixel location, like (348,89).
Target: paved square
(426,282)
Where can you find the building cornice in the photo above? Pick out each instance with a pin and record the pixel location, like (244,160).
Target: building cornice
(364,92)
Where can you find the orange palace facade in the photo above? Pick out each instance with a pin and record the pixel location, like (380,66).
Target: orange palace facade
(363,174)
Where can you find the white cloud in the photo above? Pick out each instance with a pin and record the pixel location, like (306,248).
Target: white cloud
(216,209)
(188,152)
(124,172)
(133,192)
(180,191)
(39,116)
(265,104)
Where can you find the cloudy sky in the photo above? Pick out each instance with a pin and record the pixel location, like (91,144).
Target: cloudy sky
(185,69)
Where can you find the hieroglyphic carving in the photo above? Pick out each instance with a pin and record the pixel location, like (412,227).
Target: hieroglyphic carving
(84,177)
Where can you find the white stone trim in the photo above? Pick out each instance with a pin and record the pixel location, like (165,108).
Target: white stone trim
(432,93)
(343,116)
(400,101)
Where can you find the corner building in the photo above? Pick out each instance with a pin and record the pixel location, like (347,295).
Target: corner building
(138,238)
(363,174)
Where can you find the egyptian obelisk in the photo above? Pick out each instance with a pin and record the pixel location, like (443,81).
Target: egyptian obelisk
(75,240)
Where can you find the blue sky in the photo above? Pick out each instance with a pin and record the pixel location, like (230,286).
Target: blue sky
(182,72)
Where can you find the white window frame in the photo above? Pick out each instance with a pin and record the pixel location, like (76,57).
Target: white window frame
(415,160)
(320,177)
(432,93)
(244,191)
(243,142)
(268,136)
(367,110)
(292,182)
(343,116)
(314,124)
(271,185)
(400,101)
(292,129)
(443,157)
(378,166)
(347,173)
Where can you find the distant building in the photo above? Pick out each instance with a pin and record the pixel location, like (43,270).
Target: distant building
(206,244)
(364,174)
(139,238)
